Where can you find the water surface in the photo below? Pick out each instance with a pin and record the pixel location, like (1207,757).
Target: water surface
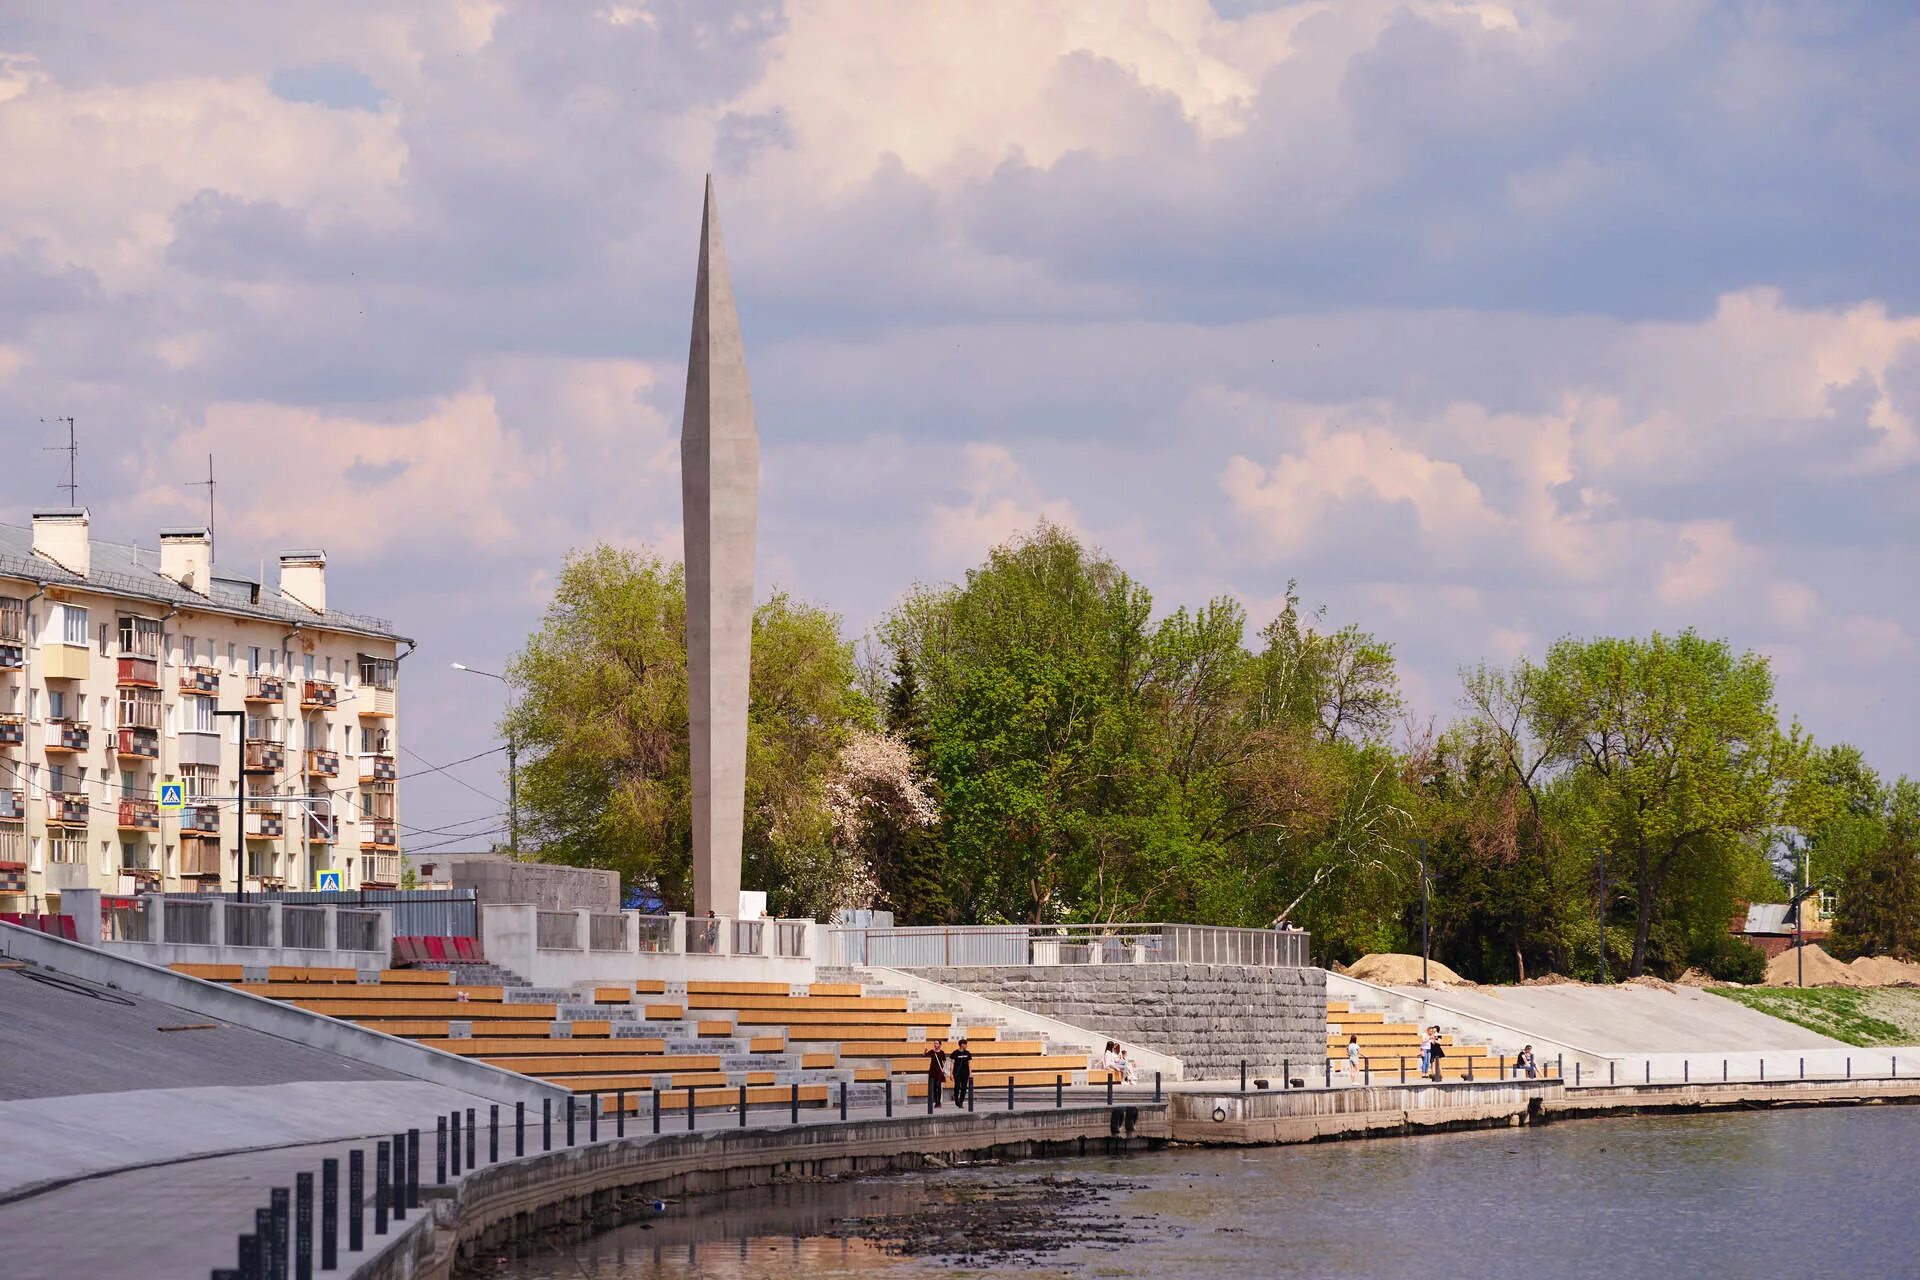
(1757,1195)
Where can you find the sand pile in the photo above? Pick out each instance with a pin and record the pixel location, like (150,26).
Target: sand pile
(1695,978)
(1551,980)
(1392,970)
(1822,970)
(1885,971)
(1648,980)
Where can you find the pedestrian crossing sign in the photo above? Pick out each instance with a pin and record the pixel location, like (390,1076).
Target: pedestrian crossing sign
(172,797)
(329,880)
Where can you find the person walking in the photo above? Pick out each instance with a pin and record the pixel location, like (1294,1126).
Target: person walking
(962,1074)
(1353,1056)
(936,1072)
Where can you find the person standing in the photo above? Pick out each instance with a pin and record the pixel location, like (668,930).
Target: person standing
(1426,1051)
(936,1072)
(1438,1052)
(1353,1056)
(962,1074)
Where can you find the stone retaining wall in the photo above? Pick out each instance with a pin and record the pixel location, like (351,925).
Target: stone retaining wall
(1209,1016)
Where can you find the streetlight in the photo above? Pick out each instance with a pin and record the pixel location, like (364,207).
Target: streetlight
(1423,911)
(513,765)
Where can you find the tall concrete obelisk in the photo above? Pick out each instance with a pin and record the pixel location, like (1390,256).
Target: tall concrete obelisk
(719,493)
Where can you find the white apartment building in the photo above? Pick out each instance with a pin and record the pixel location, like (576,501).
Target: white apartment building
(125,667)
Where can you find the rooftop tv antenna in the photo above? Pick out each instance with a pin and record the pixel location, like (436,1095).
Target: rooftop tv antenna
(209,485)
(72,449)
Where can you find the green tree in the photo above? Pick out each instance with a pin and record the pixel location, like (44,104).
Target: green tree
(1673,749)
(1879,890)
(601,717)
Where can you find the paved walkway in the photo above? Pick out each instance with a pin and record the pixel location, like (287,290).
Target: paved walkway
(184,1219)
(1626,1019)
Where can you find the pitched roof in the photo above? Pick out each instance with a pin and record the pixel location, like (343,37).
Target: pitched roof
(119,568)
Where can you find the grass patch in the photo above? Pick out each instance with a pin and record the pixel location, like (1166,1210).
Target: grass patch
(1848,1014)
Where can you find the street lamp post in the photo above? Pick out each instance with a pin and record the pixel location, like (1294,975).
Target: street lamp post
(1600,853)
(1424,948)
(513,765)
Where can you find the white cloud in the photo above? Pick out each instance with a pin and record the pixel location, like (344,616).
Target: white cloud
(1000,501)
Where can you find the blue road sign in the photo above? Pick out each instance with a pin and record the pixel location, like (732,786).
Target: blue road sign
(173,797)
(324,880)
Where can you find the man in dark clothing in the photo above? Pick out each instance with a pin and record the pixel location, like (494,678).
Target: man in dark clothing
(936,1073)
(962,1074)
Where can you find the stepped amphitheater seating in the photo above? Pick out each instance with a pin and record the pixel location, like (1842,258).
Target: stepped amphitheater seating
(634,1038)
(1385,1045)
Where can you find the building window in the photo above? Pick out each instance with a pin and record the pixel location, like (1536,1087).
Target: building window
(200,780)
(139,708)
(56,704)
(377,672)
(67,624)
(198,715)
(139,637)
(66,848)
(253,660)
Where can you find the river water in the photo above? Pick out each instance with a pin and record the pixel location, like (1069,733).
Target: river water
(1777,1194)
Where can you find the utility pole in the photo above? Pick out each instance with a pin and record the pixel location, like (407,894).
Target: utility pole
(513,765)
(72,449)
(1600,852)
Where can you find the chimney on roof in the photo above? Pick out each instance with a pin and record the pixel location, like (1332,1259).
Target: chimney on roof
(186,556)
(60,535)
(303,578)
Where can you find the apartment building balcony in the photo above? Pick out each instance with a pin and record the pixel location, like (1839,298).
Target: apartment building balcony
(200,680)
(377,768)
(13,655)
(323,764)
(322,829)
(319,695)
(13,803)
(200,858)
(379,870)
(375,703)
(13,729)
(264,824)
(68,735)
(68,809)
(139,815)
(266,689)
(65,661)
(263,755)
(13,857)
(135,743)
(378,834)
(200,819)
(138,672)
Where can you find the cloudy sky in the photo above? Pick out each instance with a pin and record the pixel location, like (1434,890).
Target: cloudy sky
(1489,323)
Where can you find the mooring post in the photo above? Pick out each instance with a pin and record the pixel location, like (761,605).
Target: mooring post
(568,1104)
(472,1138)
(382,1179)
(519,1129)
(440,1151)
(743,1106)
(453,1144)
(398,1190)
(693,1105)
(1109,1088)
(889,1087)
(1803,1068)
(262,1243)
(593,1116)
(843,1099)
(1243,1075)
(655,1100)
(1059,1092)
(794,1098)
(1156,1086)
(1403,1071)
(413,1168)
(1009,1093)
(546,1124)
(620,1113)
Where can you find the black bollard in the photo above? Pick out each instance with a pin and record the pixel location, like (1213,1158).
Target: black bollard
(356,1196)
(1156,1086)
(1243,1075)
(1763,1068)
(302,1226)
(593,1117)
(1009,1093)
(493,1134)
(519,1129)
(1576,1071)
(249,1258)
(262,1243)
(382,1176)
(1686,1070)
(399,1177)
(743,1106)
(1366,1072)
(413,1168)
(794,1098)
(655,1097)
(1803,1068)
(570,1118)
(453,1143)
(1059,1092)
(329,1214)
(620,1113)
(546,1124)
(282,1202)
(972,1093)
(1469,1068)
(843,1099)
(1109,1088)
(1609,1070)
(889,1087)
(1849,1066)
(931,1086)
(1723,1071)
(692,1106)
(471,1139)
(1403,1071)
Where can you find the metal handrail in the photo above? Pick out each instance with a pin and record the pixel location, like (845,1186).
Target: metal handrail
(1016,945)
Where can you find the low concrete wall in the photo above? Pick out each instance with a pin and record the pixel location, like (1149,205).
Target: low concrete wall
(592,1186)
(273,1017)
(510,938)
(1749,1095)
(545,885)
(1212,1017)
(1310,1115)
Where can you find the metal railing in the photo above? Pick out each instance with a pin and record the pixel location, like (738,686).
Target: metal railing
(249,924)
(606,932)
(654,933)
(354,930)
(124,922)
(749,937)
(943,946)
(557,931)
(790,938)
(189,922)
(703,936)
(304,927)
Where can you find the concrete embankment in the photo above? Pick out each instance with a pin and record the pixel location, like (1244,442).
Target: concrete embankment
(1650,1099)
(593,1187)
